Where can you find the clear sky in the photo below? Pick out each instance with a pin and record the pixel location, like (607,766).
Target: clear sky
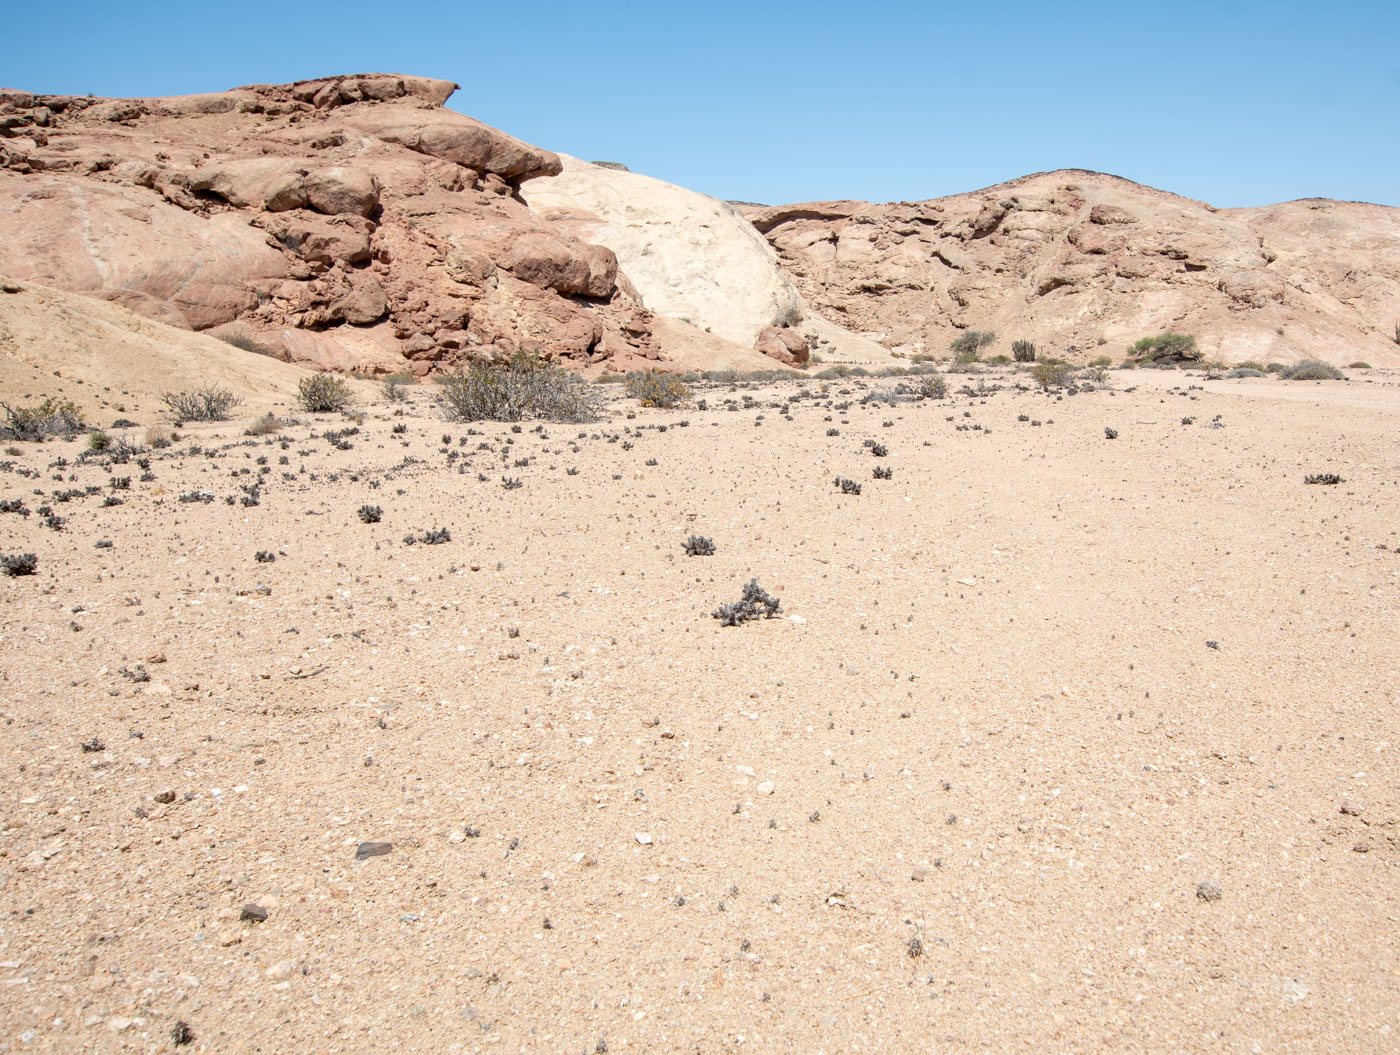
(1235,103)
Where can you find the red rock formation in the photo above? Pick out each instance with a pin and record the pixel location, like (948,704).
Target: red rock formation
(346,223)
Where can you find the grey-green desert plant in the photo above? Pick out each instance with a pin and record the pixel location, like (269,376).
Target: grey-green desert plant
(208,402)
(1023,351)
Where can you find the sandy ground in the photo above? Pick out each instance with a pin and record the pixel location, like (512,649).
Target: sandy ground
(1022,700)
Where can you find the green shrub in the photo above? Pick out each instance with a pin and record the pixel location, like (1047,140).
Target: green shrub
(1274,368)
(323,394)
(931,386)
(1052,373)
(526,387)
(1167,347)
(209,402)
(655,389)
(1102,362)
(1023,351)
(98,440)
(967,344)
(1246,371)
(833,373)
(1358,366)
(1249,364)
(1312,370)
(52,417)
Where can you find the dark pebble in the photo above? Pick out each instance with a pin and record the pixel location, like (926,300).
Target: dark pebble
(253,913)
(365,850)
(165,797)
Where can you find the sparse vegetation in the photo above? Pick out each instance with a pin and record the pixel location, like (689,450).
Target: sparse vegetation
(209,402)
(369,514)
(1312,370)
(395,387)
(1052,373)
(756,603)
(1110,434)
(1246,371)
(1358,366)
(1167,348)
(527,387)
(655,389)
(1023,351)
(98,440)
(324,394)
(931,386)
(52,417)
(1329,479)
(848,487)
(966,345)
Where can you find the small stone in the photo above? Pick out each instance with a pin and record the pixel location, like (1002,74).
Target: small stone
(1209,890)
(366,850)
(230,936)
(1361,848)
(165,797)
(1350,808)
(251,913)
(765,788)
(280,971)
(919,875)
(644,838)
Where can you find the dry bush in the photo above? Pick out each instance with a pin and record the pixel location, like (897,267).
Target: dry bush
(52,417)
(526,387)
(323,394)
(209,402)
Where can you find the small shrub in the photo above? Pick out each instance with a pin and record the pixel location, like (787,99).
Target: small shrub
(1275,368)
(931,386)
(435,536)
(1110,434)
(655,389)
(1358,366)
(323,394)
(264,426)
(884,472)
(1051,373)
(511,483)
(966,345)
(209,402)
(13,564)
(755,603)
(699,546)
(399,429)
(1329,479)
(264,556)
(1167,348)
(369,514)
(50,418)
(1023,351)
(527,387)
(1312,370)
(848,487)
(1246,371)
(98,440)
(395,385)
(158,437)
(879,450)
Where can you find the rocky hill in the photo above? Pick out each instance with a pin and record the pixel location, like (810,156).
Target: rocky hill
(347,223)
(1085,264)
(353,223)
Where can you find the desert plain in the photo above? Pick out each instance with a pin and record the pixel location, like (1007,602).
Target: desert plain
(1056,743)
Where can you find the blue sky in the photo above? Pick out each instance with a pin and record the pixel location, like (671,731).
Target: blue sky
(1234,103)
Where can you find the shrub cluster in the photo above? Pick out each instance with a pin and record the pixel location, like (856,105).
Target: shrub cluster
(323,394)
(655,389)
(209,402)
(1311,370)
(1331,479)
(18,563)
(527,387)
(1167,348)
(1023,351)
(966,345)
(52,417)
(369,514)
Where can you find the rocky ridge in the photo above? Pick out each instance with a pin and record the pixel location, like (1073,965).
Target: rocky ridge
(1086,263)
(349,223)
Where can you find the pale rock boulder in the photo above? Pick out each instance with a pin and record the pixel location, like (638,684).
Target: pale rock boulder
(787,346)
(689,256)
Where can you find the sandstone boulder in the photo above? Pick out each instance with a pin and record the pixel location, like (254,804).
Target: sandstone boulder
(787,346)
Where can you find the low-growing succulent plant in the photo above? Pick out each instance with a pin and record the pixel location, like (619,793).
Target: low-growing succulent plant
(756,603)
(699,546)
(264,556)
(1322,478)
(13,564)
(369,514)
(884,472)
(848,487)
(1110,434)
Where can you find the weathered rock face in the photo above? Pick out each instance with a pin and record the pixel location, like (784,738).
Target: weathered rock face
(346,223)
(1085,264)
